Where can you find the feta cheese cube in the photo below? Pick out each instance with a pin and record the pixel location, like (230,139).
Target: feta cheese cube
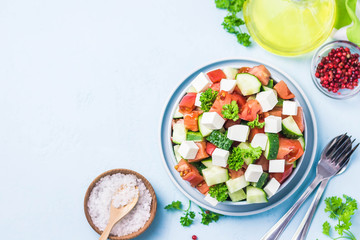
(197,100)
(220,157)
(277,166)
(188,149)
(253,173)
(271,187)
(230,72)
(211,200)
(267,100)
(238,133)
(290,108)
(259,140)
(212,120)
(227,85)
(273,124)
(201,83)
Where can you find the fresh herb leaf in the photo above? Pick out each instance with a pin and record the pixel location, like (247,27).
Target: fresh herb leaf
(188,217)
(237,157)
(208,217)
(175,205)
(233,6)
(232,22)
(236,6)
(219,140)
(231,111)
(243,39)
(256,123)
(219,191)
(326,228)
(207,99)
(342,212)
(222,4)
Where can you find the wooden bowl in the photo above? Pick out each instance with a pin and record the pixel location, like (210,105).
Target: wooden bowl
(152,207)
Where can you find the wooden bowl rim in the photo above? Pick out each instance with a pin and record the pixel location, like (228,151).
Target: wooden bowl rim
(152,207)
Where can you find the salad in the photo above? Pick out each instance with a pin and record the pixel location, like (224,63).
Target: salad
(237,134)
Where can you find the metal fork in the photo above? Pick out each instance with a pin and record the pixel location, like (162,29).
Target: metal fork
(303,229)
(333,159)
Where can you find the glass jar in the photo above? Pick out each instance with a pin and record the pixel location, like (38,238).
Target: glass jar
(289,27)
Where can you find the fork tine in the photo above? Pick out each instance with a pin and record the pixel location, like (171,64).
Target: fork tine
(333,145)
(346,158)
(340,154)
(345,163)
(345,145)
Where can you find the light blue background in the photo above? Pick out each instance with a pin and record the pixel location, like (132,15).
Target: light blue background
(82,87)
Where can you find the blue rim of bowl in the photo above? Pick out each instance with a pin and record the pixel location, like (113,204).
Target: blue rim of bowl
(288,194)
(317,58)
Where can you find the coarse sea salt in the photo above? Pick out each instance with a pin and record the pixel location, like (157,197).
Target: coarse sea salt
(106,191)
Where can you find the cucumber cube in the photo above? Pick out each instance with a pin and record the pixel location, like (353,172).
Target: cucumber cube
(238,195)
(177,154)
(215,175)
(236,184)
(255,195)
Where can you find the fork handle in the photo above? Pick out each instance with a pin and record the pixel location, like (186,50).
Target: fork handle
(275,232)
(303,229)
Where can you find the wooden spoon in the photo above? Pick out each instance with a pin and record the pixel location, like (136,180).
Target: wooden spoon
(116,214)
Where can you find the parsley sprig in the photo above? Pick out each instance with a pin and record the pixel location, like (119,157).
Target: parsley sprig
(219,191)
(188,217)
(256,123)
(207,99)
(342,212)
(238,155)
(175,205)
(232,22)
(208,217)
(231,111)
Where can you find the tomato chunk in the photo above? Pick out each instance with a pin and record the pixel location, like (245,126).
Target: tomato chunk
(191,120)
(283,90)
(222,99)
(263,162)
(210,148)
(215,87)
(203,187)
(237,90)
(235,174)
(276,111)
(281,177)
(187,103)
(250,110)
(189,173)
(201,154)
(230,123)
(255,131)
(216,75)
(299,119)
(289,149)
(244,70)
(240,100)
(261,73)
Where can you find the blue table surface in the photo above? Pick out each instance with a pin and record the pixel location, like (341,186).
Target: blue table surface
(82,87)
